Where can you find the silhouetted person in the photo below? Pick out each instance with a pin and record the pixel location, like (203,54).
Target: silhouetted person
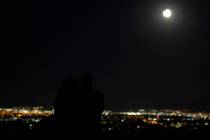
(66,107)
(68,88)
(64,122)
(93,102)
(77,109)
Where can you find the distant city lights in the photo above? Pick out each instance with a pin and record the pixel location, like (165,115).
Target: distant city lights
(110,121)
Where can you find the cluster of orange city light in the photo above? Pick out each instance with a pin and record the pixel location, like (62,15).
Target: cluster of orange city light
(21,112)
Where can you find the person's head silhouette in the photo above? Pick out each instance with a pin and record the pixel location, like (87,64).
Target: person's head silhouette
(86,81)
(69,87)
(69,83)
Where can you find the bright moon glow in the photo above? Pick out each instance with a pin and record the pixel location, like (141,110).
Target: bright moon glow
(167,13)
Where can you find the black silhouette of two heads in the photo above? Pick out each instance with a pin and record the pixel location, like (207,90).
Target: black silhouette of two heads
(76,99)
(69,92)
(85,80)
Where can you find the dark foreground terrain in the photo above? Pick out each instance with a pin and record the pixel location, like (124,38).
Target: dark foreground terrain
(20,131)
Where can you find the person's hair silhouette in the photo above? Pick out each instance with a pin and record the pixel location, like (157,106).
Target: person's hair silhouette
(63,109)
(64,99)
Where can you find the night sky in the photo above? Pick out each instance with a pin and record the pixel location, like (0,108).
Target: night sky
(138,58)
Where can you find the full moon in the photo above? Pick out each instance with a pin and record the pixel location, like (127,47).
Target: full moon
(167,13)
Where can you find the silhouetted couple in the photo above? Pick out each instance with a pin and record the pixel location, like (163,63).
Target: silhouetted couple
(78,106)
